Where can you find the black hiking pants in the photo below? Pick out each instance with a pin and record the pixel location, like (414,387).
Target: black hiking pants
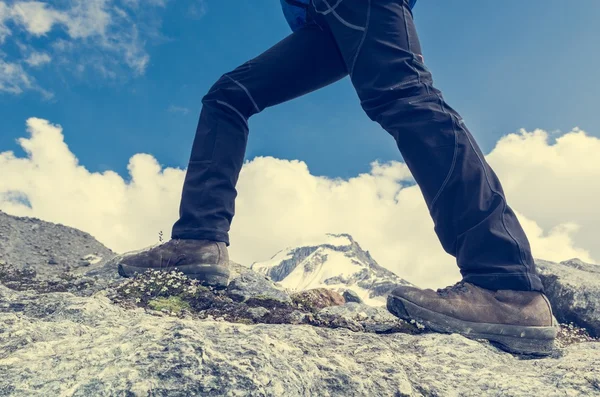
(375,42)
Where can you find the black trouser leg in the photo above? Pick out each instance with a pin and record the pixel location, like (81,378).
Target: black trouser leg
(303,62)
(473,221)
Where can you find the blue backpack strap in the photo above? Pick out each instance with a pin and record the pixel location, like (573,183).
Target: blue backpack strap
(295,12)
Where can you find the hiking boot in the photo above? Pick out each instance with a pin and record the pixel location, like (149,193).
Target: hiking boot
(204,260)
(515,321)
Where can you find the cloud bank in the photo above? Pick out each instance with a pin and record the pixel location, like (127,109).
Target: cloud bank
(553,188)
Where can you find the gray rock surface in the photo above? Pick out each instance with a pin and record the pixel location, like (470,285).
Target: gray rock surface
(49,248)
(351,296)
(61,344)
(251,285)
(64,333)
(361,317)
(573,289)
(47,251)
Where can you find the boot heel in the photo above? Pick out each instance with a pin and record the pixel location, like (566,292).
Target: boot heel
(217,281)
(535,347)
(208,275)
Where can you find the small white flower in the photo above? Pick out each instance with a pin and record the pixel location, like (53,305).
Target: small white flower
(138,300)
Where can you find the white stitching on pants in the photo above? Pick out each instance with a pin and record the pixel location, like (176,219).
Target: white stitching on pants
(405,83)
(235,110)
(406,27)
(332,8)
(503,210)
(247,92)
(363,38)
(339,18)
(409,48)
(454,157)
(426,97)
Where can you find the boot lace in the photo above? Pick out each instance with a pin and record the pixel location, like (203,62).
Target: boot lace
(458,287)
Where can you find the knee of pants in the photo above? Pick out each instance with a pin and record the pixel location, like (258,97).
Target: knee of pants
(402,100)
(228,95)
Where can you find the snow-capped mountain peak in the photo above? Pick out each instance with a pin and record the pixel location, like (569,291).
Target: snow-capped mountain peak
(335,261)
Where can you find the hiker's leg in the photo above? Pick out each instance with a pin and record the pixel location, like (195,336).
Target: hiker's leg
(303,62)
(473,222)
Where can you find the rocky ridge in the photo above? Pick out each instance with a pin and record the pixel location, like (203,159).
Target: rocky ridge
(80,330)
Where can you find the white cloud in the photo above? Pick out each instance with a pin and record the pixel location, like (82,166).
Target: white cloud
(553,183)
(178,109)
(104,34)
(4,16)
(550,186)
(38,59)
(36,17)
(13,79)
(137,3)
(88,18)
(197,9)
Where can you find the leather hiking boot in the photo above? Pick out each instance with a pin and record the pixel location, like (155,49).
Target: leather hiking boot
(204,260)
(515,321)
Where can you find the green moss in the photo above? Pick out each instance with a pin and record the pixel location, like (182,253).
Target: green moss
(172,304)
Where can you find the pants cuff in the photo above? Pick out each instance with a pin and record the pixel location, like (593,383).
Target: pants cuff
(201,234)
(510,281)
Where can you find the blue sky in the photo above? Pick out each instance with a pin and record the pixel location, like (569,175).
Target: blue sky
(503,65)
(116,87)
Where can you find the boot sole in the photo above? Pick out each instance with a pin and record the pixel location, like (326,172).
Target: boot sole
(536,341)
(206,274)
